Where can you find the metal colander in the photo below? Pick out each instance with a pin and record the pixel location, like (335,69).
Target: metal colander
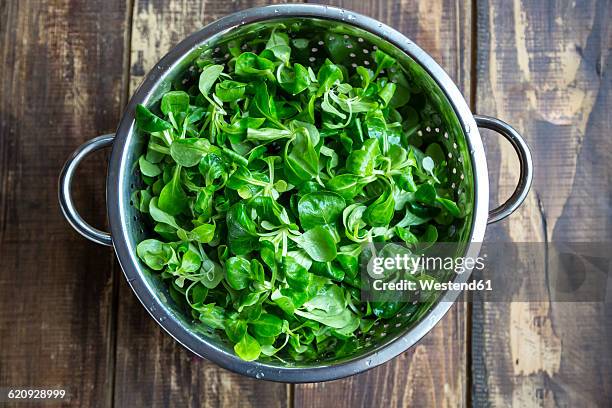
(450,124)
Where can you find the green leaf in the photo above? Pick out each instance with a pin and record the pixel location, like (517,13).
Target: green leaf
(241,229)
(346,185)
(319,244)
(382,60)
(380,212)
(238,272)
(204,203)
(161,216)
(278,44)
(267,134)
(148,122)
(411,219)
(295,274)
(426,194)
(328,270)
(329,308)
(436,153)
(235,327)
(267,325)
(212,316)
(348,258)
(328,75)
(190,262)
(208,77)
(450,206)
(428,164)
(212,273)
(172,198)
(230,91)
(387,92)
(285,303)
(154,253)
(189,152)
(301,158)
(257,271)
(176,102)
(251,65)
(320,208)
(430,235)
(214,170)
(203,233)
(386,309)
(141,200)
(352,218)
(147,168)
(294,80)
(361,162)
(406,236)
(248,348)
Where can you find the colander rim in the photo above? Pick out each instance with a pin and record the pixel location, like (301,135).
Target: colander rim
(119,168)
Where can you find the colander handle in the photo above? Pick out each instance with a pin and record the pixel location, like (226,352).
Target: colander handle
(525,163)
(65,187)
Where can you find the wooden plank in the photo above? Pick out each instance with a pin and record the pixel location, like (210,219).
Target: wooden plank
(59,86)
(152,369)
(432,373)
(542,67)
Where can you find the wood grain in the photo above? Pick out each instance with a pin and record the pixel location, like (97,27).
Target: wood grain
(544,67)
(68,319)
(432,373)
(152,368)
(59,87)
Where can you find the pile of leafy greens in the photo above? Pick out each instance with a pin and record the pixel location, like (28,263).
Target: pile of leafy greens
(265,178)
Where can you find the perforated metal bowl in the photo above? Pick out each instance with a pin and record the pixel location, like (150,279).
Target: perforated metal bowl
(456,128)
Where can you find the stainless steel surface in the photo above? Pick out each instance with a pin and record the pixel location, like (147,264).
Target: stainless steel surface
(65,188)
(460,136)
(525,164)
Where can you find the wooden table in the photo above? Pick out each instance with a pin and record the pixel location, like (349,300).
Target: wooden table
(67,317)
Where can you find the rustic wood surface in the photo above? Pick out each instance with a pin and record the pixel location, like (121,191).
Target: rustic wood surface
(67,317)
(544,67)
(62,82)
